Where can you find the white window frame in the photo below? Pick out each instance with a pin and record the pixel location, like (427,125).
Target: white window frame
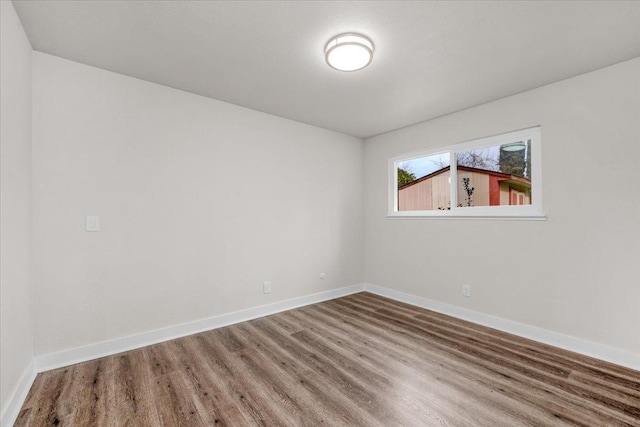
(526,212)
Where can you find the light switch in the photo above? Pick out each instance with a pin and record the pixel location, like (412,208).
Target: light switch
(93,223)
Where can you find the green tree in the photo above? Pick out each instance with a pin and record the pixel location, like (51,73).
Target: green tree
(512,162)
(405,177)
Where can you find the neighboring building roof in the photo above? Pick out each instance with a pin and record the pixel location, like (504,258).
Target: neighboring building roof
(504,176)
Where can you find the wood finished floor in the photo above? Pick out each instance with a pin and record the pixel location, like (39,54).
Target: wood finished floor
(361,360)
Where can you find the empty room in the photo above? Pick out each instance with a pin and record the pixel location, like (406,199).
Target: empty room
(306,213)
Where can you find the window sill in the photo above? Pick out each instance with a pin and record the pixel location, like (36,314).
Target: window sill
(474,217)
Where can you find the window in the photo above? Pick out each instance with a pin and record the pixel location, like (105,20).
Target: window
(493,177)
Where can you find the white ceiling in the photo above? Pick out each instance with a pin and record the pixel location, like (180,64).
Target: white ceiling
(431,58)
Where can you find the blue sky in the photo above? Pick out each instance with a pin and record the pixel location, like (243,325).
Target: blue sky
(422,166)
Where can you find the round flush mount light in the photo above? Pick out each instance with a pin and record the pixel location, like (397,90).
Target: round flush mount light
(349,52)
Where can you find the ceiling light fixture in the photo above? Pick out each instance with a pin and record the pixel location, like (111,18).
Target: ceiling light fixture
(349,52)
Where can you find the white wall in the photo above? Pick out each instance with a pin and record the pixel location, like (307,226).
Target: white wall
(577,272)
(200,202)
(16,329)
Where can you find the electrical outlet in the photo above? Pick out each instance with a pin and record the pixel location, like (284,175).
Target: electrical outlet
(266,287)
(466,290)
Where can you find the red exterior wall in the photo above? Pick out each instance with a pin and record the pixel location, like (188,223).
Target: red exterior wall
(494,190)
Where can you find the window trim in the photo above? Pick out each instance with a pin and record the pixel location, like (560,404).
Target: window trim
(517,212)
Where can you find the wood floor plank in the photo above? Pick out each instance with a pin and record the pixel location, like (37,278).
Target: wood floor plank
(499,367)
(420,406)
(421,376)
(465,378)
(339,380)
(529,367)
(215,398)
(251,396)
(360,360)
(318,387)
(612,398)
(597,367)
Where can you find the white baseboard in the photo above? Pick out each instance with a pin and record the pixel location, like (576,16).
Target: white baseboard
(11,412)
(72,356)
(567,342)
(59,359)
(93,351)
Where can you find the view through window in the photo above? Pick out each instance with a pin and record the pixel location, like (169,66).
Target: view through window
(494,172)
